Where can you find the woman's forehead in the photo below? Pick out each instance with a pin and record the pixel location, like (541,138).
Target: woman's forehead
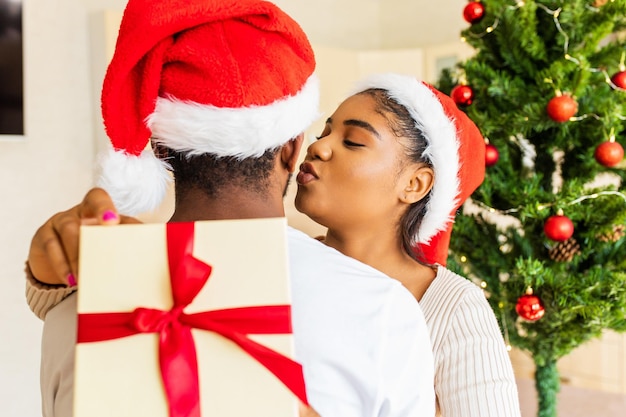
(360,106)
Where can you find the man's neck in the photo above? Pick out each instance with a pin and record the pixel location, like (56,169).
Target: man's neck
(234,203)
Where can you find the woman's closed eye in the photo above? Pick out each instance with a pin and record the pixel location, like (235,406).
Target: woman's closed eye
(352,144)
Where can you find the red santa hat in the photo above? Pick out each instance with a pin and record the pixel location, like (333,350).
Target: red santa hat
(226,77)
(456,150)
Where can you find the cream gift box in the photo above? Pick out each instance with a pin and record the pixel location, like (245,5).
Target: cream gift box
(123,268)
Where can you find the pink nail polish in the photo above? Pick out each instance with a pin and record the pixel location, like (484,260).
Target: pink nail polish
(109,215)
(71,280)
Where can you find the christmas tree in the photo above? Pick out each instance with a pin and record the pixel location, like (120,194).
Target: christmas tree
(545,231)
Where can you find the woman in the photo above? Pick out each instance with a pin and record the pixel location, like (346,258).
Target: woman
(391,167)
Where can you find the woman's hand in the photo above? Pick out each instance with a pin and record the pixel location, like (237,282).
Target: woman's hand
(53,254)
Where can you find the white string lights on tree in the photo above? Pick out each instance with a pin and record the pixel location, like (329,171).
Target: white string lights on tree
(473,13)
(554,279)
(563,107)
(596,195)
(555,15)
(487,31)
(543,206)
(618,80)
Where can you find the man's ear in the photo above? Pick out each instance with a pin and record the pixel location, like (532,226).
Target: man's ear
(290,152)
(417,183)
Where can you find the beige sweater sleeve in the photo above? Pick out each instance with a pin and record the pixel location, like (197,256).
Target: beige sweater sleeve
(473,372)
(42,297)
(477,377)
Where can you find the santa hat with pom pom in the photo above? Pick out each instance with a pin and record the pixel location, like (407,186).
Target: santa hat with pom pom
(232,78)
(455,149)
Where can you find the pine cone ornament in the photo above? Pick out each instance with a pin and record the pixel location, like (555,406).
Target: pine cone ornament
(613,236)
(564,251)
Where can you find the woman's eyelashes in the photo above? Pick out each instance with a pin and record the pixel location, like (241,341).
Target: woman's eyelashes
(346,142)
(349,143)
(322,135)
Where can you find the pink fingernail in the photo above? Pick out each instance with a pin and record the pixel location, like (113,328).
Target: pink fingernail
(109,215)
(71,280)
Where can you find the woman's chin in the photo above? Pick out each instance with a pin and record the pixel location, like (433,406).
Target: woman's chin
(303,203)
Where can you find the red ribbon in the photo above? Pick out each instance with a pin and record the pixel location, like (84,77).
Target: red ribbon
(177,350)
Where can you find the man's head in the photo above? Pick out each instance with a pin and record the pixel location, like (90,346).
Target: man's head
(217,176)
(225,78)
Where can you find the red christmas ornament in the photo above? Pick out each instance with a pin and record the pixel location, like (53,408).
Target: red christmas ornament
(474,12)
(609,153)
(463,95)
(558,228)
(561,108)
(491,155)
(529,307)
(619,79)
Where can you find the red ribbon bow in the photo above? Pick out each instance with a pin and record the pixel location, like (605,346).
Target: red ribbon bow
(177,350)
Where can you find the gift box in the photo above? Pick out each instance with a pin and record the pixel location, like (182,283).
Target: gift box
(185,319)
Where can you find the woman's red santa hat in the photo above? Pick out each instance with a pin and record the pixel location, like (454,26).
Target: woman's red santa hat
(456,151)
(232,78)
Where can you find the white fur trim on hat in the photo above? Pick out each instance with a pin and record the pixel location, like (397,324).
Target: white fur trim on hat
(137,184)
(238,132)
(442,150)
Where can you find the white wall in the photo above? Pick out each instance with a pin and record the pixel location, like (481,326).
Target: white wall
(350,24)
(410,24)
(379,24)
(50,168)
(45,171)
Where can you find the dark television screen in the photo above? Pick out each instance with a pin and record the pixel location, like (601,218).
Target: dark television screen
(11,75)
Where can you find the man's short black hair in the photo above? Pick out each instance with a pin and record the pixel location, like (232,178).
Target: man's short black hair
(212,174)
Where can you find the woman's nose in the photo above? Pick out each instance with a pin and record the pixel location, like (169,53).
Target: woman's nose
(320,149)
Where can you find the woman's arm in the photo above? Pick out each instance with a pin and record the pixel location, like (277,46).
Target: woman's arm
(42,297)
(52,266)
(475,376)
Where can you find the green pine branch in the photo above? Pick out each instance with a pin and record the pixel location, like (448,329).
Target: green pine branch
(525,55)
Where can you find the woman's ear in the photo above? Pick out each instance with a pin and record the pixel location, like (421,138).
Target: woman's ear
(160,151)
(417,183)
(291,151)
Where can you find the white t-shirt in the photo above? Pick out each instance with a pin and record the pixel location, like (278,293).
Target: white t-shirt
(360,336)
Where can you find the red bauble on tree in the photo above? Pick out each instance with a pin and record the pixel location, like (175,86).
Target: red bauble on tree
(609,153)
(529,306)
(619,79)
(463,95)
(561,108)
(474,12)
(558,227)
(491,155)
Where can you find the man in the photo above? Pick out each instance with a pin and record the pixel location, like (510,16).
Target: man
(224,90)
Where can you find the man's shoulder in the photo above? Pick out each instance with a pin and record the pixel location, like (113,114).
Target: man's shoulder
(318,269)
(307,253)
